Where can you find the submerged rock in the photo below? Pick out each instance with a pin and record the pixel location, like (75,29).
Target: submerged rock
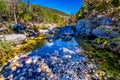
(50,38)
(104,32)
(84,27)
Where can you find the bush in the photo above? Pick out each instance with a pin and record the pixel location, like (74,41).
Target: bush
(27,17)
(5,48)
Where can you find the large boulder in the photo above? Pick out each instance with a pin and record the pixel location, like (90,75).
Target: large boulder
(104,32)
(105,21)
(66,33)
(14,38)
(66,30)
(84,27)
(18,28)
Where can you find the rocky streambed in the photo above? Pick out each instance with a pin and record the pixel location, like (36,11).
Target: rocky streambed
(56,60)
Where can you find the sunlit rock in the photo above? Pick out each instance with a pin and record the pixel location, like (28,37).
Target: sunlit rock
(29,61)
(67,56)
(14,38)
(2,77)
(39,70)
(13,68)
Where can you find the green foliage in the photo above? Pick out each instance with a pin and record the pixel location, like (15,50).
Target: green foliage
(107,31)
(36,14)
(80,13)
(116,3)
(4,11)
(117,39)
(108,62)
(98,40)
(47,15)
(27,17)
(118,9)
(5,47)
(36,28)
(101,41)
(95,7)
(102,6)
(114,43)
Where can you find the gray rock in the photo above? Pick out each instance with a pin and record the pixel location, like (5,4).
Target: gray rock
(105,21)
(14,38)
(104,32)
(84,27)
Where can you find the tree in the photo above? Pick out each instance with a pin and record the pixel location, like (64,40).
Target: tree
(12,8)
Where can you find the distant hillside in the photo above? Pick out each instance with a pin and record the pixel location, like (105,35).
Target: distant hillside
(34,13)
(54,11)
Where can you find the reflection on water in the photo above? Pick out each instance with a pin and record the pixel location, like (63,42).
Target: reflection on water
(57,48)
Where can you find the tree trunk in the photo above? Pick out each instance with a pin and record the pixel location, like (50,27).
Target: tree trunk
(15,11)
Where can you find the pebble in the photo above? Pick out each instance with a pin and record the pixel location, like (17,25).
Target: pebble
(29,61)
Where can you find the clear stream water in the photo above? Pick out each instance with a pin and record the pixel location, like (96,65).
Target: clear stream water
(57,60)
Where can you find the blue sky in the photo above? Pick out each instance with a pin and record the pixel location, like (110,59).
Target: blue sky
(67,6)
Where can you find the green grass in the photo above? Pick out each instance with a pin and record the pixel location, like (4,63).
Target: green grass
(108,62)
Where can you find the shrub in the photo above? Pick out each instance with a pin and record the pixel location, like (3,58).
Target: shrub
(5,48)
(27,17)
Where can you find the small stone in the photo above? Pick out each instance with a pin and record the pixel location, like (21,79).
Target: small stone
(22,78)
(44,67)
(29,61)
(51,76)
(39,70)
(10,76)
(67,56)
(2,77)
(35,61)
(13,68)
